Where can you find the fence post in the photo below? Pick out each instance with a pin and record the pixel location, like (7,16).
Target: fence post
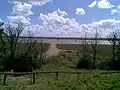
(33,78)
(57,76)
(4,80)
(78,74)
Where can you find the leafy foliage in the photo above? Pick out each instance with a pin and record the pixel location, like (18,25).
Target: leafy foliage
(17,57)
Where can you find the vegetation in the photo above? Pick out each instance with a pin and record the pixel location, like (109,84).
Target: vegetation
(65,81)
(27,55)
(103,50)
(17,57)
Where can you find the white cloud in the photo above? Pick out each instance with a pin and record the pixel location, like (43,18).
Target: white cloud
(22,9)
(104,26)
(116,10)
(70,28)
(55,24)
(118,7)
(33,2)
(39,2)
(80,11)
(1,20)
(104,4)
(93,4)
(17,19)
(61,13)
(36,30)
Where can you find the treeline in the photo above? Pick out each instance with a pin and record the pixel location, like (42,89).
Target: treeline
(91,60)
(19,57)
(14,54)
(88,56)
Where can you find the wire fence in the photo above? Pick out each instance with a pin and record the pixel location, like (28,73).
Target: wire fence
(56,74)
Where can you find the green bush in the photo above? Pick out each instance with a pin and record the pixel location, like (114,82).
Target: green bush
(84,63)
(20,64)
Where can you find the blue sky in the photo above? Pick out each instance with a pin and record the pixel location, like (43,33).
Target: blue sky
(67,5)
(72,16)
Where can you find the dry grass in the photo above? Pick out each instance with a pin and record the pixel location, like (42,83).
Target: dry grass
(53,49)
(101,50)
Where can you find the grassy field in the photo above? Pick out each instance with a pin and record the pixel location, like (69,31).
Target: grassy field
(101,50)
(65,82)
(79,46)
(23,47)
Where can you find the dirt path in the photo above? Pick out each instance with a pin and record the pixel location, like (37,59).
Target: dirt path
(53,50)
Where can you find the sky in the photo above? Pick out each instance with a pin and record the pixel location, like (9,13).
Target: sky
(71,18)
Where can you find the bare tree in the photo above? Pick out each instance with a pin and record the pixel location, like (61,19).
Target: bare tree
(19,50)
(9,42)
(84,44)
(94,45)
(112,39)
(1,40)
(33,47)
(12,34)
(2,45)
(85,60)
(42,55)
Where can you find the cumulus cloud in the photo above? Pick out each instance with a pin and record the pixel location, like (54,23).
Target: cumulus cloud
(104,4)
(116,10)
(36,30)
(80,11)
(57,24)
(93,4)
(17,19)
(118,7)
(61,13)
(1,20)
(39,2)
(33,2)
(22,9)
(104,27)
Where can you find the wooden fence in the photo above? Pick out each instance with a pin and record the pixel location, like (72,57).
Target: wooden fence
(56,74)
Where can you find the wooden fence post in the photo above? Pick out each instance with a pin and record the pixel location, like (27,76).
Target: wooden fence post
(33,78)
(4,80)
(78,74)
(57,76)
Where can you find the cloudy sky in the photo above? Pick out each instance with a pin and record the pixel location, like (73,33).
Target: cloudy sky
(63,17)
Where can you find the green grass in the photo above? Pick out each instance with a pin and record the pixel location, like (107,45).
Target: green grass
(65,82)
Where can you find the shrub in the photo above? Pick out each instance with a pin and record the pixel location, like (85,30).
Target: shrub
(20,64)
(115,64)
(84,62)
